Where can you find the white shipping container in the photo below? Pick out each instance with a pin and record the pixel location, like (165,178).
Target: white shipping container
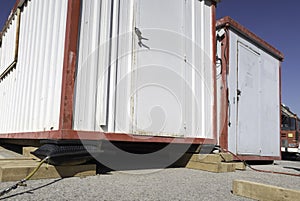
(162,85)
(115,67)
(249,92)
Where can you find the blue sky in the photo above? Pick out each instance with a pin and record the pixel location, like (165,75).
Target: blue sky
(5,8)
(275,21)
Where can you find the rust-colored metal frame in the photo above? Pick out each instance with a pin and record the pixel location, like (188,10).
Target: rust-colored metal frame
(256,158)
(214,71)
(227,23)
(86,135)
(69,65)
(223,138)
(66,131)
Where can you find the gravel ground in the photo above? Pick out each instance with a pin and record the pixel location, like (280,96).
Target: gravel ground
(166,184)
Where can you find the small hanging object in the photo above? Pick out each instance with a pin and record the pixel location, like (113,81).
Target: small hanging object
(140,38)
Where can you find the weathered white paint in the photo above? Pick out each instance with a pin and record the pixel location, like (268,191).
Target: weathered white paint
(31,93)
(254,115)
(88,65)
(122,86)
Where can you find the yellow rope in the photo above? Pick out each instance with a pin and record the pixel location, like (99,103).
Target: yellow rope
(22,182)
(35,170)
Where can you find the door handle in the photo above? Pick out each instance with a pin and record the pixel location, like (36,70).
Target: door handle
(239,93)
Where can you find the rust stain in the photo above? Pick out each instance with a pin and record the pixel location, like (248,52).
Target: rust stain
(69,65)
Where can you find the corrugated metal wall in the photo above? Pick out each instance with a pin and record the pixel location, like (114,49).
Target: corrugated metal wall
(8,47)
(31,93)
(115,65)
(94,50)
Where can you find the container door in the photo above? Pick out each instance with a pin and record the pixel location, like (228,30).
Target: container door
(159,81)
(248,124)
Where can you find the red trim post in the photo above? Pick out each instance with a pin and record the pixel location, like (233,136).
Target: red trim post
(214,71)
(224,101)
(69,65)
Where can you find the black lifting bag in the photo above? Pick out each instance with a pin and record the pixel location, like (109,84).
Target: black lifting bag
(67,153)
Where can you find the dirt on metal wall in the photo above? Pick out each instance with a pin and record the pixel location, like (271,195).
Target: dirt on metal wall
(143,72)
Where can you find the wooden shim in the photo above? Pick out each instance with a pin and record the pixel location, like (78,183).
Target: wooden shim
(239,165)
(211,167)
(226,157)
(263,192)
(16,159)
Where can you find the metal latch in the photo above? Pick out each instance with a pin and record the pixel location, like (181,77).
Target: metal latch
(239,93)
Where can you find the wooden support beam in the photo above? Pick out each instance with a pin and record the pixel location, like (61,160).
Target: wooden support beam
(239,165)
(15,170)
(263,192)
(212,158)
(218,163)
(211,167)
(27,152)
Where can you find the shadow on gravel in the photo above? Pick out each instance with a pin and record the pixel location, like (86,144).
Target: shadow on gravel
(120,164)
(260,162)
(292,168)
(31,191)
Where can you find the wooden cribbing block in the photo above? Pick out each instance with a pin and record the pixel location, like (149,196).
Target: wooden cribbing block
(226,157)
(212,158)
(263,192)
(211,167)
(27,150)
(14,170)
(222,162)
